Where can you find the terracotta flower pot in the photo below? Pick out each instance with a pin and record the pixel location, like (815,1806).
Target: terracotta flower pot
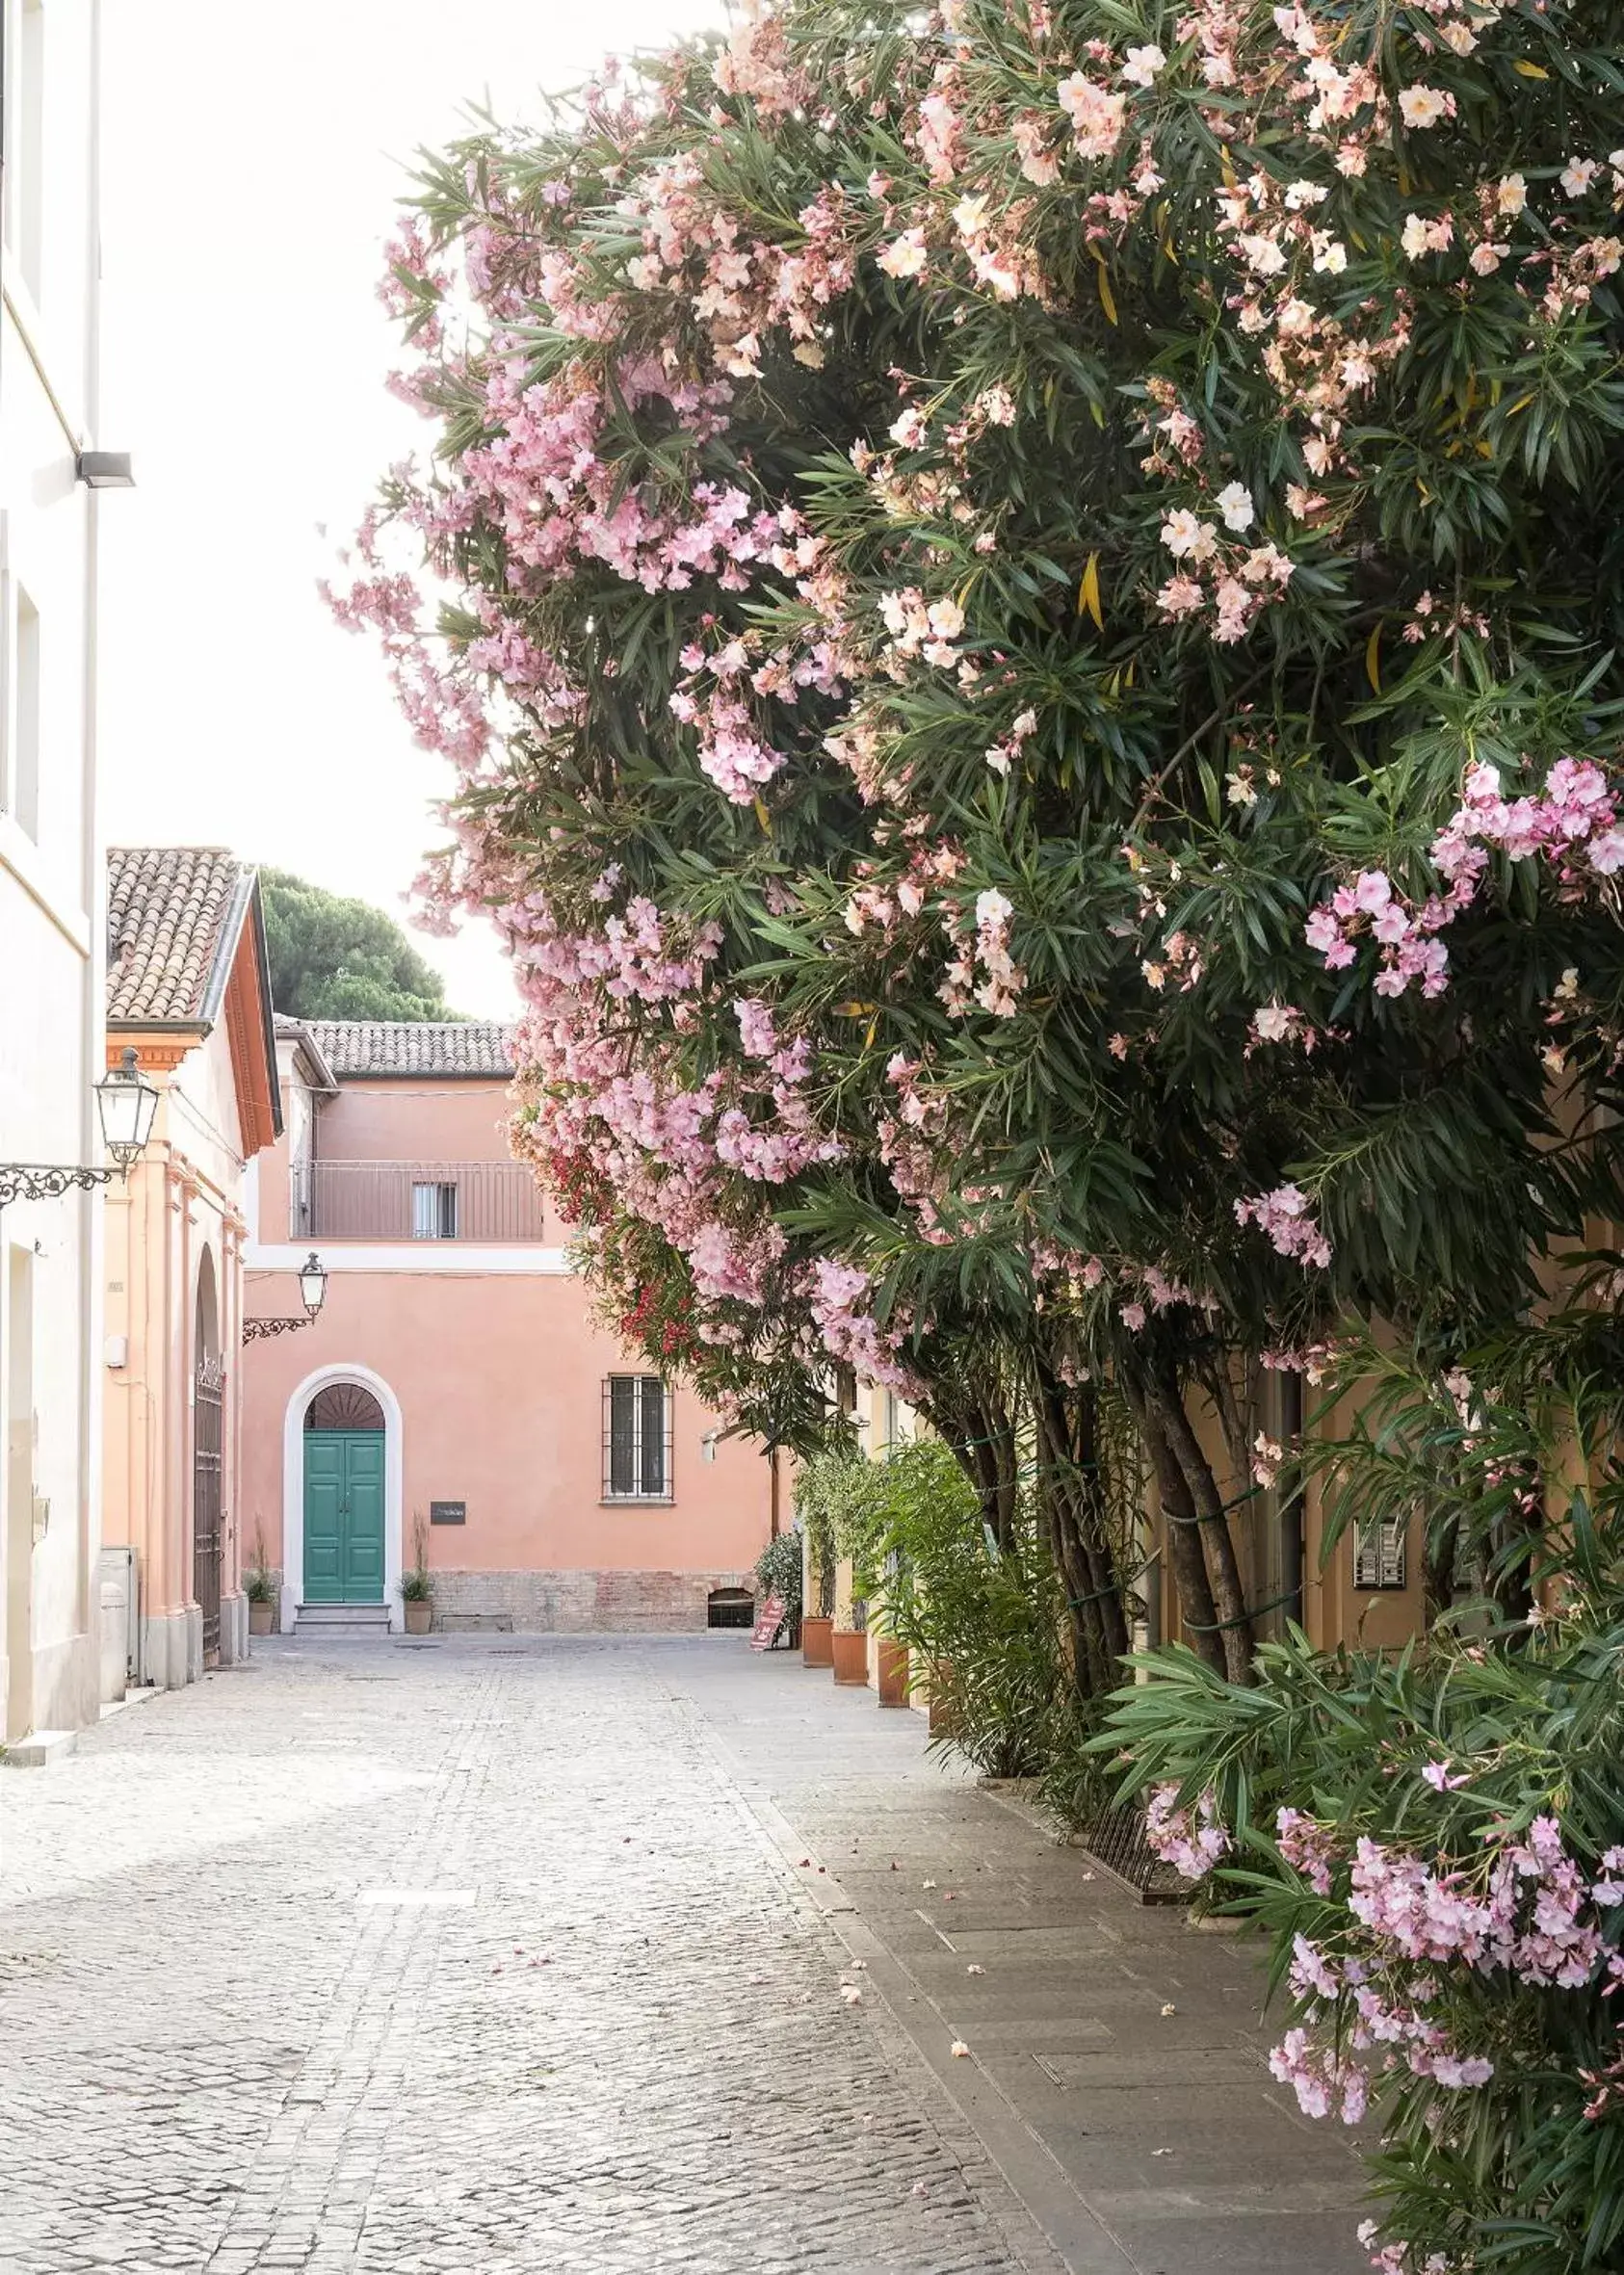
(419,1614)
(816,1647)
(262,1618)
(850,1654)
(893,1673)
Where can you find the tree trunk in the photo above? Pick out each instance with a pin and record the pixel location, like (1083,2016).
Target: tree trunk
(1238,1431)
(1218,1544)
(1093,1517)
(1079,1518)
(981,1439)
(1184,1561)
(1092,1671)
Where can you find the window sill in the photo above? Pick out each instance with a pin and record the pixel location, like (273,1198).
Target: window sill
(637,1501)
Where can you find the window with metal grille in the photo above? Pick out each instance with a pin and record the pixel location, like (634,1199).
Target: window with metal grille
(1379,1554)
(433,1211)
(636,1438)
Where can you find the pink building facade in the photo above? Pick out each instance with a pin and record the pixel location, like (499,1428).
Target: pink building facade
(454,1403)
(188,990)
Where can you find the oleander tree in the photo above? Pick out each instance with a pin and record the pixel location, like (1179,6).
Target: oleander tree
(1435,1841)
(1021,602)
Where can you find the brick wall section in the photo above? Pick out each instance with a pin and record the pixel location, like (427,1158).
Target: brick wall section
(581,1603)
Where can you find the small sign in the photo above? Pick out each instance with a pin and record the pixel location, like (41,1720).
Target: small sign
(768,1621)
(448,1513)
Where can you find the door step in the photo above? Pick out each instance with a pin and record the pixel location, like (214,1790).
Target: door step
(342,1619)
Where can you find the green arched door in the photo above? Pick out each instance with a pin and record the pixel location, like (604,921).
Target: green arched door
(343,1499)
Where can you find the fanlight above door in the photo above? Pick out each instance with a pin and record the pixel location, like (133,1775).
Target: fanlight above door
(344,1405)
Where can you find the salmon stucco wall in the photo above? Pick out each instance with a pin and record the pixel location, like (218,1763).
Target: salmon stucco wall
(490,1372)
(408,1118)
(500,1386)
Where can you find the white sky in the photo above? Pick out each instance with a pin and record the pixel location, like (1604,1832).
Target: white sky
(251,160)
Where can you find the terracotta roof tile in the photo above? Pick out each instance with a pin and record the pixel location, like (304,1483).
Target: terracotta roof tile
(404,1046)
(168,908)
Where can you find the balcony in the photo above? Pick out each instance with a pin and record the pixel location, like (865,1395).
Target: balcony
(491,1201)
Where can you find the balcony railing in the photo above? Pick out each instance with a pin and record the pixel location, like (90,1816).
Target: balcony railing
(415,1201)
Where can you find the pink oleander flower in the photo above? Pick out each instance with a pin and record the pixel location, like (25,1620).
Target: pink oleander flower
(905,256)
(1190,1842)
(1424,106)
(1096,115)
(1307,1846)
(1286,1218)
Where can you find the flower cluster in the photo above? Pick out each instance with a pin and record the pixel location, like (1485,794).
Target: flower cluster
(984,971)
(1286,1215)
(1572,823)
(1193,1841)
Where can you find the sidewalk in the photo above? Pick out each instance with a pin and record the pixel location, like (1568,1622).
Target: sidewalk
(1143,2141)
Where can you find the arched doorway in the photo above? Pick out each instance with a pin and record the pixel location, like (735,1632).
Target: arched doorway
(348,1377)
(343,1496)
(208,1396)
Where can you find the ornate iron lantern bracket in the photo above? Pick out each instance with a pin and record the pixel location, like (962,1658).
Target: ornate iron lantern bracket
(254,1329)
(312,1288)
(126,1103)
(39,1181)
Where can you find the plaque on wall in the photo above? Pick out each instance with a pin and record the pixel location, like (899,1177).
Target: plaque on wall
(448,1513)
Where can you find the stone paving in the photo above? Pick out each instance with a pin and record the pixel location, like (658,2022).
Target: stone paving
(475,1956)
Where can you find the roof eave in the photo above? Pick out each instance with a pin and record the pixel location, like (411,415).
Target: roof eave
(153,1025)
(426,1074)
(296,1033)
(267,1014)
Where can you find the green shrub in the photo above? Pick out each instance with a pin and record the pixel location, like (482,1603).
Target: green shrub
(778,1568)
(831,1489)
(986,1620)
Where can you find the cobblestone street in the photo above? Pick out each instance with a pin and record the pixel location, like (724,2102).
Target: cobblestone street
(489,1955)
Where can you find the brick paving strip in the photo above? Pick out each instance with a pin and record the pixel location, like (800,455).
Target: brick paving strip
(592,2019)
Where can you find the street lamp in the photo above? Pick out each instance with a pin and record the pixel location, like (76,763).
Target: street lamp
(126,1103)
(313,1283)
(313,1293)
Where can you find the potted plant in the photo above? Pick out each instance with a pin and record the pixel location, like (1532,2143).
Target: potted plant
(893,1673)
(260,1587)
(779,1569)
(851,1646)
(815,1525)
(859,1516)
(417,1588)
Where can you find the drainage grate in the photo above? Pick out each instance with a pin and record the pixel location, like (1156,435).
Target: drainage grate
(1117,1840)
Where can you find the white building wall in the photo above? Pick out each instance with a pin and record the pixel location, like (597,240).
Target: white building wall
(51,947)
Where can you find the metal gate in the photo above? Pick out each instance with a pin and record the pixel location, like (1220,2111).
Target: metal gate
(205,1501)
